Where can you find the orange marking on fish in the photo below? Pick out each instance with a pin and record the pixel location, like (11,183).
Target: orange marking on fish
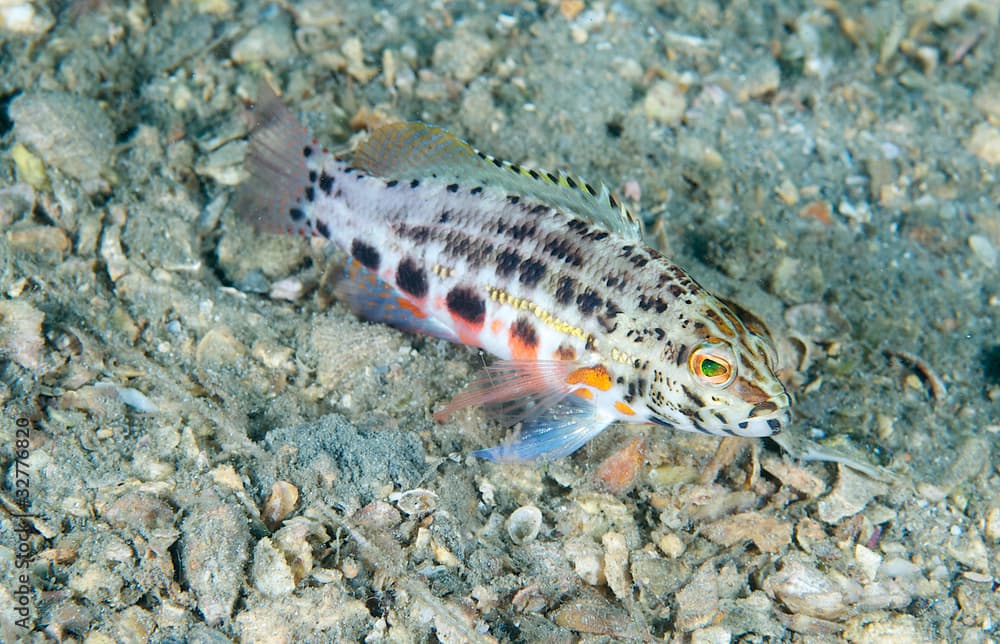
(496,326)
(583,393)
(596,377)
(414,310)
(624,409)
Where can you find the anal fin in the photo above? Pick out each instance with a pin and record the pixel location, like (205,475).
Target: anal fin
(556,432)
(373,299)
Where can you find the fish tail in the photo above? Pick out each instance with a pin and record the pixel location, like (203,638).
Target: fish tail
(272,197)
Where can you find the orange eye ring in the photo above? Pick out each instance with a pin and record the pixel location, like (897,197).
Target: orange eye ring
(712,364)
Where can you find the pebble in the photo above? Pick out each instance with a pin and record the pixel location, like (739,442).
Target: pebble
(280,503)
(767,533)
(71,133)
(804,589)
(698,601)
(594,616)
(987,100)
(463,57)
(665,103)
(269,42)
(821,323)
(849,496)
(984,142)
(618,472)
(616,564)
(25,18)
(270,572)
(523,524)
(213,553)
(983,250)
(416,502)
(21,333)
(30,168)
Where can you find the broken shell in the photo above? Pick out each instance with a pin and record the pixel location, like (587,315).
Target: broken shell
(523,524)
(417,501)
(280,503)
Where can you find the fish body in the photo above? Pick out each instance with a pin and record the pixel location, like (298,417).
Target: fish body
(544,271)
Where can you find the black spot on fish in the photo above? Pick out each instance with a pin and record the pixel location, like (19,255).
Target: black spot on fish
(415,183)
(742,424)
(444,217)
(410,278)
(524,331)
(590,189)
(452,187)
(553,178)
(682,353)
(676,290)
(296,214)
(774,424)
(570,182)
(507,262)
(698,402)
(476,190)
(498,162)
(531,271)
(612,202)
(391,184)
(307,151)
(325,183)
(312,176)
(366,255)
(323,229)
(588,301)
(533,174)
(465,303)
(513,199)
(660,333)
(310,193)
(565,290)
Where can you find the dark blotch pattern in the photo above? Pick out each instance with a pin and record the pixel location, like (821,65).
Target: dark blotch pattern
(524,331)
(588,301)
(411,278)
(565,290)
(366,255)
(531,272)
(507,262)
(323,229)
(463,302)
(325,183)
(296,214)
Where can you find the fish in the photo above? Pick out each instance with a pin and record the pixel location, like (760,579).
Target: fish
(548,273)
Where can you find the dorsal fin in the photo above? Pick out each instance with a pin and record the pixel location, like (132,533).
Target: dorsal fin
(414,150)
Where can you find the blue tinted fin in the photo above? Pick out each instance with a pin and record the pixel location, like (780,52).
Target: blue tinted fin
(556,432)
(372,299)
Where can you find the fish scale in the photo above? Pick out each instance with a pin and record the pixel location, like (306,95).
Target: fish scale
(545,271)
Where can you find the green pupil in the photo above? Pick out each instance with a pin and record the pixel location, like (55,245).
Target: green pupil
(710,368)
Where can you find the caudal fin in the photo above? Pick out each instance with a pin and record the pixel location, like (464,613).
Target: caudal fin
(273,198)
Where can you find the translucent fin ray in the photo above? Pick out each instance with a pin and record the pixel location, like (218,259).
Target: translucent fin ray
(405,151)
(277,168)
(557,432)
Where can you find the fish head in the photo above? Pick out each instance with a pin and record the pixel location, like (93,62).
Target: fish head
(724,382)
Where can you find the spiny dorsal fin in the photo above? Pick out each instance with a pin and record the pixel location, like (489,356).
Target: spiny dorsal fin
(415,150)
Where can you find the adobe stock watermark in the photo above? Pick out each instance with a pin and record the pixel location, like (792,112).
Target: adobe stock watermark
(23,555)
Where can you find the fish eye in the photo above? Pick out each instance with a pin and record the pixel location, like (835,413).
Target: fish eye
(712,363)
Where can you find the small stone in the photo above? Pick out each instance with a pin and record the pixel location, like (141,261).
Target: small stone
(378,515)
(279,503)
(849,496)
(983,250)
(269,42)
(767,533)
(30,168)
(618,472)
(761,80)
(48,241)
(355,56)
(698,601)
(804,589)
(213,554)
(523,524)
(993,523)
(587,559)
(219,347)
(868,561)
(616,564)
(21,333)
(270,573)
(987,100)
(24,18)
(665,103)
(671,545)
(463,57)
(70,132)
(984,142)
(793,476)
(595,616)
